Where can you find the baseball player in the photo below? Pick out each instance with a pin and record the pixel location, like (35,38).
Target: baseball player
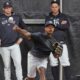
(61,23)
(43,45)
(10,41)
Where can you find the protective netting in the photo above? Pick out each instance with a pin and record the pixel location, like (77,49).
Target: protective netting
(36,9)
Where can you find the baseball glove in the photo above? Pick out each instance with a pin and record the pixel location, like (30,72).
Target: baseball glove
(58,48)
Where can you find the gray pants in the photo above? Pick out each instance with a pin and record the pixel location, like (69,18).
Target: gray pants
(13,52)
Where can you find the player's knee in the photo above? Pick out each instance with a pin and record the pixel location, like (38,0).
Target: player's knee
(41,71)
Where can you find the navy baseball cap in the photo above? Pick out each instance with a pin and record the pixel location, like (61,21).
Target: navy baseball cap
(50,22)
(7,4)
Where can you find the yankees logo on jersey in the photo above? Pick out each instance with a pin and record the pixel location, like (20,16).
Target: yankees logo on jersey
(7,21)
(56,21)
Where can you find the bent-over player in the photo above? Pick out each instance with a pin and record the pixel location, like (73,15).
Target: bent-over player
(43,45)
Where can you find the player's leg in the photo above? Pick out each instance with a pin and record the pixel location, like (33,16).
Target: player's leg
(67,72)
(31,66)
(54,67)
(41,72)
(42,65)
(5,53)
(64,59)
(16,56)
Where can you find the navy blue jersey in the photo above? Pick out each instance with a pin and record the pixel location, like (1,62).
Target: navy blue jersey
(7,35)
(42,44)
(60,29)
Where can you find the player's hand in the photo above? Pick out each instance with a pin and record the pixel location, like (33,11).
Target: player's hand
(16,28)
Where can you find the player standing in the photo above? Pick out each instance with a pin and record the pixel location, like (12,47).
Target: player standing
(61,23)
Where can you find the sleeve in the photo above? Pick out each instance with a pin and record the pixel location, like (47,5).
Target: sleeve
(35,36)
(21,23)
(63,26)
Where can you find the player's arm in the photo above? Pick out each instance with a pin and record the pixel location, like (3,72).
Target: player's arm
(19,40)
(21,23)
(23,32)
(64,24)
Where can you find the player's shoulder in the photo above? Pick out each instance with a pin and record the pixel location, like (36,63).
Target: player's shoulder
(1,14)
(16,15)
(63,15)
(49,15)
